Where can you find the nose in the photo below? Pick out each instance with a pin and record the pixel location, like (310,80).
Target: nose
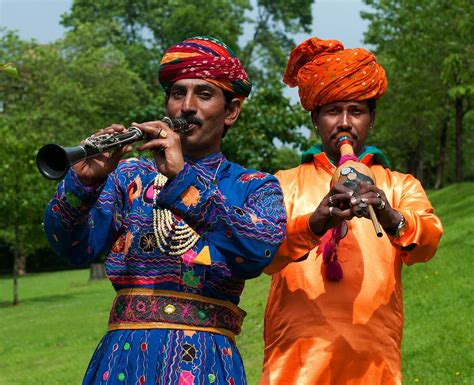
(344,122)
(189,104)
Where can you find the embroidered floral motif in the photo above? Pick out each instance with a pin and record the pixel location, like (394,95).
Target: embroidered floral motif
(191,196)
(147,242)
(134,189)
(189,353)
(190,279)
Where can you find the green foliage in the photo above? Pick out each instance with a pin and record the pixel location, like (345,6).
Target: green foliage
(426,68)
(438,330)
(265,116)
(65,93)
(104,71)
(10,70)
(143,32)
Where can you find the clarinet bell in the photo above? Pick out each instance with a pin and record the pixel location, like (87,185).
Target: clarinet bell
(54,161)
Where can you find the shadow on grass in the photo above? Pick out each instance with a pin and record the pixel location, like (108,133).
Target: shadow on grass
(47,299)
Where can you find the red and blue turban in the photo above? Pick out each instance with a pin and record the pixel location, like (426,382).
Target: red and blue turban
(206,58)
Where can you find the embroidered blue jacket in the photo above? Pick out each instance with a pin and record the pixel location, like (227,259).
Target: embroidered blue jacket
(241,220)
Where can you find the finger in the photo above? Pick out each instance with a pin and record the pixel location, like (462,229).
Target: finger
(155,145)
(154,130)
(337,199)
(336,212)
(340,188)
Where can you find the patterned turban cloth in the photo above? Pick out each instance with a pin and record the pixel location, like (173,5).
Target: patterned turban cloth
(206,58)
(325,72)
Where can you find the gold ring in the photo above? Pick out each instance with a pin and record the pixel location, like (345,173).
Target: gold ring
(330,210)
(381,206)
(330,201)
(162,134)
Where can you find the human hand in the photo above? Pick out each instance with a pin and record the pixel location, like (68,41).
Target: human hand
(333,209)
(369,194)
(93,171)
(165,145)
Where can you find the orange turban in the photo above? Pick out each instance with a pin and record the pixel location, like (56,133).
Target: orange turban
(325,72)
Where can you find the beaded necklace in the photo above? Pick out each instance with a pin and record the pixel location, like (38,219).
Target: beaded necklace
(171,232)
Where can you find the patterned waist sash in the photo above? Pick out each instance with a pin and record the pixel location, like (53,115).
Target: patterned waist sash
(160,309)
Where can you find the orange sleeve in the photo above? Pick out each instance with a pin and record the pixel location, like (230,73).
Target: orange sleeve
(300,240)
(424,229)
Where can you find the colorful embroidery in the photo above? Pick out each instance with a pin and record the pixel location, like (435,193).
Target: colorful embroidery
(135,309)
(190,197)
(134,189)
(253,176)
(239,223)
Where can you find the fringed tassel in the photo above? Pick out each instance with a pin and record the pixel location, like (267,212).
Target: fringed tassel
(333,267)
(334,271)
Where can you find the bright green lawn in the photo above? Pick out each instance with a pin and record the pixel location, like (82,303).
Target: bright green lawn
(49,338)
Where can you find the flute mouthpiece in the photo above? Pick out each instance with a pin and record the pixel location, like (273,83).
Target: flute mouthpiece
(344,138)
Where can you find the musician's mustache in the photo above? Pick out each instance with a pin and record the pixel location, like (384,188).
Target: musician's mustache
(192,119)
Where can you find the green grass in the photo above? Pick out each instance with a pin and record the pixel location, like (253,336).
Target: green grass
(50,336)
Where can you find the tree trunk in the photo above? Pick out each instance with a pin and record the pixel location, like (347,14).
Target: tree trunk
(21,265)
(442,155)
(16,298)
(16,256)
(420,151)
(458,127)
(97,271)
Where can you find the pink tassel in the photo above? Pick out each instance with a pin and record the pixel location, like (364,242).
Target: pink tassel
(328,252)
(333,267)
(334,271)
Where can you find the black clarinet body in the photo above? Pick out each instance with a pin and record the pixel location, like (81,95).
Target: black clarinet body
(54,161)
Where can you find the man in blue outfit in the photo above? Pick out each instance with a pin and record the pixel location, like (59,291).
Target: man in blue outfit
(182,231)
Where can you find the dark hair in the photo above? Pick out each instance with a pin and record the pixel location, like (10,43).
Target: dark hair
(372,104)
(228,97)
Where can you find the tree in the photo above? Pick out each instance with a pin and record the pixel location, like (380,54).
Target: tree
(64,94)
(416,114)
(144,31)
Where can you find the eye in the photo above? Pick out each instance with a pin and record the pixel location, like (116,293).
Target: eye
(177,93)
(206,95)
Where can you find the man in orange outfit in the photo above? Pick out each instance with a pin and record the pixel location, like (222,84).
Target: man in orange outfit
(334,314)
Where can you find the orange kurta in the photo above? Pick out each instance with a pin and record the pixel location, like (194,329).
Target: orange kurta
(347,332)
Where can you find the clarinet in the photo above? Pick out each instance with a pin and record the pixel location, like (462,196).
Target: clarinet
(54,161)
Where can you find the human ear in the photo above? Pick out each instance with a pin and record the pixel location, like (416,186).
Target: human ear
(314,119)
(372,119)
(233,111)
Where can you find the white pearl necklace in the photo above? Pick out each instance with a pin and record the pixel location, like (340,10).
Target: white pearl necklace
(165,223)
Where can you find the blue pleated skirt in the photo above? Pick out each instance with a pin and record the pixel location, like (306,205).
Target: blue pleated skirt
(165,357)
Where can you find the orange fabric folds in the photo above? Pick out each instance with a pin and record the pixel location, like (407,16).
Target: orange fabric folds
(325,72)
(349,332)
